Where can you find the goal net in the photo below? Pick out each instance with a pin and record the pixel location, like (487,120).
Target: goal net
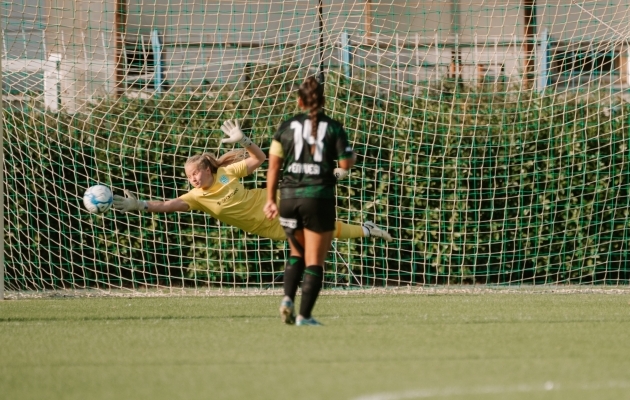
(492,137)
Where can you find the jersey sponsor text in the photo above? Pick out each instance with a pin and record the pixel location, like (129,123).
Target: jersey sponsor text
(300,168)
(227,197)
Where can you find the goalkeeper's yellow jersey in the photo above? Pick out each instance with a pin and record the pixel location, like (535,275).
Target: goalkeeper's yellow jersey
(228,201)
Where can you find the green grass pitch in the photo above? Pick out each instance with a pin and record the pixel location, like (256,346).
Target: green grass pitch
(372,347)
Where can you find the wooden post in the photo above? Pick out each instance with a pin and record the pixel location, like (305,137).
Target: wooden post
(320,17)
(417,54)
(378,63)
(496,62)
(623,66)
(437,58)
(368,21)
(482,70)
(478,78)
(398,74)
(456,59)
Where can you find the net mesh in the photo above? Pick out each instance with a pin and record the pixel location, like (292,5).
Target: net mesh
(492,137)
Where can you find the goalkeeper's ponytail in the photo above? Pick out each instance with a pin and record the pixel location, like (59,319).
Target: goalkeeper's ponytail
(208,160)
(232,156)
(311,93)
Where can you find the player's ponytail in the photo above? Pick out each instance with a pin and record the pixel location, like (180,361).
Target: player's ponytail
(209,160)
(311,93)
(232,156)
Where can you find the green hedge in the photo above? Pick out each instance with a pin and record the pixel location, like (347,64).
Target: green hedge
(477,188)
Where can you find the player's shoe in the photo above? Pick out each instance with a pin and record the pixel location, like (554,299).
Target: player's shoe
(287,311)
(375,231)
(301,321)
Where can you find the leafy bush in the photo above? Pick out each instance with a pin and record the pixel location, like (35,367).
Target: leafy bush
(477,188)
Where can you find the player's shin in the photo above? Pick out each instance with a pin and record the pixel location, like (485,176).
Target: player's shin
(293,271)
(313,278)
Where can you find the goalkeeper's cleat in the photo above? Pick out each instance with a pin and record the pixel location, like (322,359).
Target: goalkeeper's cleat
(287,311)
(375,231)
(301,321)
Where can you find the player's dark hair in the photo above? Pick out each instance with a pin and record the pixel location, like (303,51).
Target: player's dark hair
(311,92)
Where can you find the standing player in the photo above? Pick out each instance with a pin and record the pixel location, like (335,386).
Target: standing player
(217,191)
(306,147)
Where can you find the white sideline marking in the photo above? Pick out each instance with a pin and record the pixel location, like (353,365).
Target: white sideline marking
(448,392)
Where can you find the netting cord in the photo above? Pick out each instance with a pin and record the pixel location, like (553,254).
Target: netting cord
(350,273)
(1,183)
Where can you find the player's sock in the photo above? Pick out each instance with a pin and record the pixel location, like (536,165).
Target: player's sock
(313,278)
(346,231)
(293,271)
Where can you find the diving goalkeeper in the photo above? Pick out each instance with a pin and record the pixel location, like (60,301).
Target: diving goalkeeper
(218,192)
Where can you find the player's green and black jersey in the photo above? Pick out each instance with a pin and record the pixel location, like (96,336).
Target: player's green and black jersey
(307,175)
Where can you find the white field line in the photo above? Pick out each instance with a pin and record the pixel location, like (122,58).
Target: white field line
(473,391)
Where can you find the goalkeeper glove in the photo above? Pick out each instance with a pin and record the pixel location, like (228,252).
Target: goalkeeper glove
(340,173)
(231,129)
(129,203)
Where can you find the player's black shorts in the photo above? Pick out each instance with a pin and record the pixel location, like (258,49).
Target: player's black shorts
(317,215)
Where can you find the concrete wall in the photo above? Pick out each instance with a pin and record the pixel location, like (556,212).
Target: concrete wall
(78,33)
(82,32)
(22,26)
(199,36)
(586,20)
(398,23)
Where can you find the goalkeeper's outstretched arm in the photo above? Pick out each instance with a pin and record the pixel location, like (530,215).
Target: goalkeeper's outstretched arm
(129,202)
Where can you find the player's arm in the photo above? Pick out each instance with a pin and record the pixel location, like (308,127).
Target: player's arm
(130,203)
(234,133)
(167,206)
(348,163)
(347,156)
(255,159)
(273,176)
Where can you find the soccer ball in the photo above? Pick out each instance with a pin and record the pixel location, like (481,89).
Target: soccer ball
(98,199)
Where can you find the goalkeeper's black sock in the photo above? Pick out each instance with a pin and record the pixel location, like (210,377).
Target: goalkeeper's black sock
(293,271)
(313,278)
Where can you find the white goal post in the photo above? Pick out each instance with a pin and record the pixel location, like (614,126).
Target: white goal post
(2,274)
(492,138)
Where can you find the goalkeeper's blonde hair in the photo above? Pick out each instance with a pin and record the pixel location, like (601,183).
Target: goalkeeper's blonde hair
(209,160)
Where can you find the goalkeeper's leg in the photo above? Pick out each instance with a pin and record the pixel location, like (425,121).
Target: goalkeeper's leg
(368,229)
